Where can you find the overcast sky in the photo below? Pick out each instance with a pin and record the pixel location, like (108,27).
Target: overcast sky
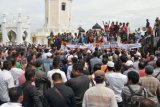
(88,12)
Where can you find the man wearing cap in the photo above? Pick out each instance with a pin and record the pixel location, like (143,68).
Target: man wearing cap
(110,67)
(129,65)
(116,81)
(99,95)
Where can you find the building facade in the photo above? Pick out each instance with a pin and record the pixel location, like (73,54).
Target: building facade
(57,20)
(15,31)
(58,15)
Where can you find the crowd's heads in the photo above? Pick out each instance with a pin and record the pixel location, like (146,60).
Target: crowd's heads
(141,65)
(118,66)
(129,63)
(74,60)
(7,65)
(17,56)
(158,63)
(13,61)
(136,57)
(56,62)
(110,65)
(99,76)
(96,67)
(16,95)
(105,60)
(96,53)
(56,77)
(133,77)
(149,70)
(0,64)
(77,69)
(123,58)
(30,74)
(46,50)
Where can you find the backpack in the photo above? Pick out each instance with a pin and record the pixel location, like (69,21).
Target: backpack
(136,97)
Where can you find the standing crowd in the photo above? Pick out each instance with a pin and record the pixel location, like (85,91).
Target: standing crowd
(37,76)
(114,31)
(46,77)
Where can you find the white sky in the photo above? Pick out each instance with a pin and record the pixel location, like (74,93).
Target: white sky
(88,12)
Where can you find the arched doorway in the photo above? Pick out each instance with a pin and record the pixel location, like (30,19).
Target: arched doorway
(12,36)
(24,36)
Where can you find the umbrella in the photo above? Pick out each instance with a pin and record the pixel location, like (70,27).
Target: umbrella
(80,29)
(96,26)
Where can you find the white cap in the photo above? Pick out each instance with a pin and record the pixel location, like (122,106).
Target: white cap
(48,54)
(110,64)
(129,63)
(88,51)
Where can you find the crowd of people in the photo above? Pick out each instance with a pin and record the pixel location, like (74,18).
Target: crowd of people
(46,77)
(37,76)
(114,31)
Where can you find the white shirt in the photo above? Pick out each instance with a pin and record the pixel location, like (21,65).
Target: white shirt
(69,58)
(50,73)
(45,55)
(69,70)
(9,104)
(16,73)
(6,82)
(116,83)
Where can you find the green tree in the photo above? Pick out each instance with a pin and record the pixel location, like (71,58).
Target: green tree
(10,36)
(0,36)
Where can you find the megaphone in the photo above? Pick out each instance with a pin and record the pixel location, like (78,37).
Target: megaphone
(144,29)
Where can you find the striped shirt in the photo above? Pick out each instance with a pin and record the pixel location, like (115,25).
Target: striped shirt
(6,82)
(151,84)
(99,96)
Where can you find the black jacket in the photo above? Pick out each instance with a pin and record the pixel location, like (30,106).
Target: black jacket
(79,85)
(55,100)
(31,96)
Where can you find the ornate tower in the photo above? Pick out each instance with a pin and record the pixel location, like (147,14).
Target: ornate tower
(57,15)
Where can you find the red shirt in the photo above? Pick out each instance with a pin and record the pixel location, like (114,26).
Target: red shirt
(106,28)
(141,73)
(124,28)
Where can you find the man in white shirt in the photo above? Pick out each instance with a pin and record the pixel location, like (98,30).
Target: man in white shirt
(16,72)
(70,67)
(6,82)
(56,63)
(16,98)
(117,81)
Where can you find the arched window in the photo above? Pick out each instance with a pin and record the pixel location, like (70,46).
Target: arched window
(63,6)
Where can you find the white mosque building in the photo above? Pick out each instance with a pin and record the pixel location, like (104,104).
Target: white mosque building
(57,20)
(16,30)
